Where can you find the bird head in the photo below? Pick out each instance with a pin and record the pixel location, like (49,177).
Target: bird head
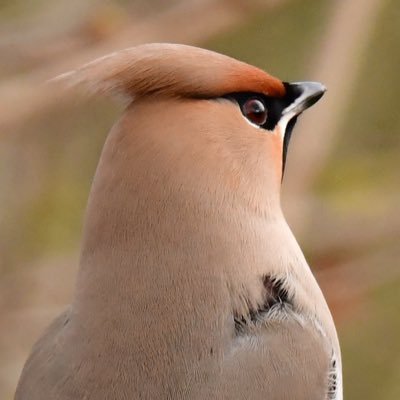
(198,120)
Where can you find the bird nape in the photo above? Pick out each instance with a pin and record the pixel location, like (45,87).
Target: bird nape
(191,284)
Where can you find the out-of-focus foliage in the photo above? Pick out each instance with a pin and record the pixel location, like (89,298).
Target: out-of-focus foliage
(362,178)
(282,41)
(365,163)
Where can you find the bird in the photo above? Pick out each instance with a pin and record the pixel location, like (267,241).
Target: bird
(191,284)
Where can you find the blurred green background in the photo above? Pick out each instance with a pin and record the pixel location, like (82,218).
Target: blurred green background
(342,186)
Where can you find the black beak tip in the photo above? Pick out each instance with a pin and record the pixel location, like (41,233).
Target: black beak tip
(304,95)
(310,101)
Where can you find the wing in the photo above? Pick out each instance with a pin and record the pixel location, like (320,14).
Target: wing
(286,358)
(42,370)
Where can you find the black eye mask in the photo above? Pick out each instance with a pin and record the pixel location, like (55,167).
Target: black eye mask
(274,107)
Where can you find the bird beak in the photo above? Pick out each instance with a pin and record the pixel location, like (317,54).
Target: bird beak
(306,94)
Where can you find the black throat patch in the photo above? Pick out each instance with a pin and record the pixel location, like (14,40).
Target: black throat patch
(286,140)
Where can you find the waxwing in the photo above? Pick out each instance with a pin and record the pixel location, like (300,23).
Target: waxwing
(191,284)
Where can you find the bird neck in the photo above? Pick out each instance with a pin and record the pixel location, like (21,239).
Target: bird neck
(162,248)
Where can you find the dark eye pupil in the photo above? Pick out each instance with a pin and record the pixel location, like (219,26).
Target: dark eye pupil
(254,110)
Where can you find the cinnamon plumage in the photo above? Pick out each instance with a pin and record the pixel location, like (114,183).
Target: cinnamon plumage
(191,284)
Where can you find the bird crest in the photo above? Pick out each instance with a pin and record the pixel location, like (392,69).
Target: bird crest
(170,70)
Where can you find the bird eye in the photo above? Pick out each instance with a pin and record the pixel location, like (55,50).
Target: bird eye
(255,111)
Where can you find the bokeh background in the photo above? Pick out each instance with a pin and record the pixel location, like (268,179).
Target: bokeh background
(341,192)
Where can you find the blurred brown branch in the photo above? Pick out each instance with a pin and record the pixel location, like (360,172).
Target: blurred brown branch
(336,65)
